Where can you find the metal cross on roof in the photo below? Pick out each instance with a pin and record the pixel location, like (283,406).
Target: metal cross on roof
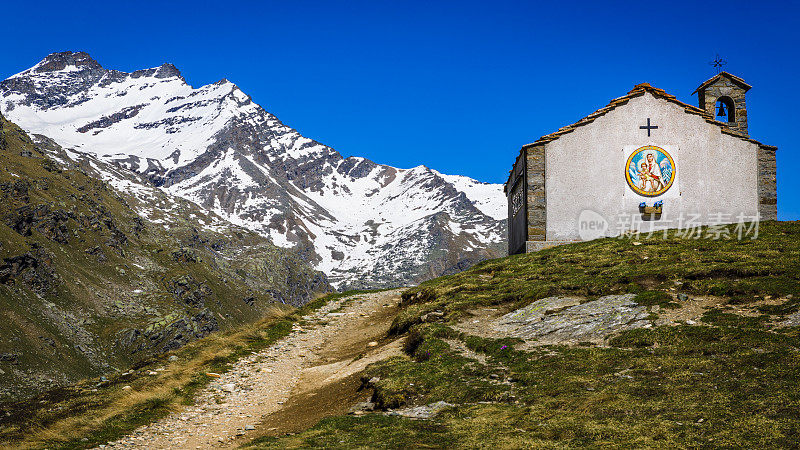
(718,63)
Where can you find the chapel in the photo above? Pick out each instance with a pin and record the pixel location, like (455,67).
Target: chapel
(644,162)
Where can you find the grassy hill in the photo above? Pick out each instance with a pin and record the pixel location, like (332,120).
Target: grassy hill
(741,270)
(88,287)
(729,379)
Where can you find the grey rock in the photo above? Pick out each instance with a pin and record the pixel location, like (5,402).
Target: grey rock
(792,320)
(189,291)
(107,121)
(422,412)
(565,320)
(169,336)
(537,310)
(362,406)
(683,297)
(432,316)
(34,269)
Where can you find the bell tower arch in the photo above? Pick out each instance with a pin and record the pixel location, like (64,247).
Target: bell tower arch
(723,96)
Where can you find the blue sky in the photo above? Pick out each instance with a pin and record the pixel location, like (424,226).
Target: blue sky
(458,86)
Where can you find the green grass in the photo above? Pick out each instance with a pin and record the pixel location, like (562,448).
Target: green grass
(697,386)
(743,271)
(372,431)
(62,418)
(729,381)
(652,298)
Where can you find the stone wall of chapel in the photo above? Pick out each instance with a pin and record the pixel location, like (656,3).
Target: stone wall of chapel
(767,184)
(725,88)
(537,202)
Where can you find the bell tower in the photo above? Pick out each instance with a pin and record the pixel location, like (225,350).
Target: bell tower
(722,96)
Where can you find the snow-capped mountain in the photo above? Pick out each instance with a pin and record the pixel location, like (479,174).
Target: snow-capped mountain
(364,224)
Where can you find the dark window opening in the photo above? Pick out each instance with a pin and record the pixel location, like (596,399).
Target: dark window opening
(726,111)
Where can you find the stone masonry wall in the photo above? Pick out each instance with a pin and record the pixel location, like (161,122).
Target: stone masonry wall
(537,201)
(767,186)
(724,87)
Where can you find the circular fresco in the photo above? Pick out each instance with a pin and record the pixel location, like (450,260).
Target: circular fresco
(650,171)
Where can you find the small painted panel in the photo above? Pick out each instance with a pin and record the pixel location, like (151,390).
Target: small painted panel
(650,171)
(516,199)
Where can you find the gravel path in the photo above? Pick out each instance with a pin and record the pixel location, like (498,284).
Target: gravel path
(230,409)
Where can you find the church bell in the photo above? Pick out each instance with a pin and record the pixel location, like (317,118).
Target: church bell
(721,112)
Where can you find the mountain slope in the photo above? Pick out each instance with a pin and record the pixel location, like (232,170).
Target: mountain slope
(87,286)
(362,223)
(649,342)
(655,342)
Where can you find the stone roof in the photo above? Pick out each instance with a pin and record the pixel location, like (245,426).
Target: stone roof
(736,80)
(638,91)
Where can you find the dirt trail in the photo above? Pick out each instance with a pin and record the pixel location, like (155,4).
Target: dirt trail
(310,374)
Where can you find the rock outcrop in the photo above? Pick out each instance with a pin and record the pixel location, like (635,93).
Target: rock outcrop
(560,320)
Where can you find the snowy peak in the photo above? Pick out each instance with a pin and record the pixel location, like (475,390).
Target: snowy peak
(83,62)
(149,114)
(363,223)
(65,61)
(166,70)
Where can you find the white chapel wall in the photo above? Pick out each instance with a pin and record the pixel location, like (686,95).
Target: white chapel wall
(716,174)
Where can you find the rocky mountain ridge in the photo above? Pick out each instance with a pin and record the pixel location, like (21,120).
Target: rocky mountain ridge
(88,287)
(363,224)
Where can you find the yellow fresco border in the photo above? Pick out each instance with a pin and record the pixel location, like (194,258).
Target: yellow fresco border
(628,165)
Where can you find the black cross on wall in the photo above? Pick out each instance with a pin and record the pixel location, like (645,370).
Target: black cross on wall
(648,127)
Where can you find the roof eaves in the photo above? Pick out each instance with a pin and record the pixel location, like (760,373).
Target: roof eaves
(638,91)
(732,77)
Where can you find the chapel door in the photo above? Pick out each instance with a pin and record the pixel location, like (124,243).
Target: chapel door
(517,226)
